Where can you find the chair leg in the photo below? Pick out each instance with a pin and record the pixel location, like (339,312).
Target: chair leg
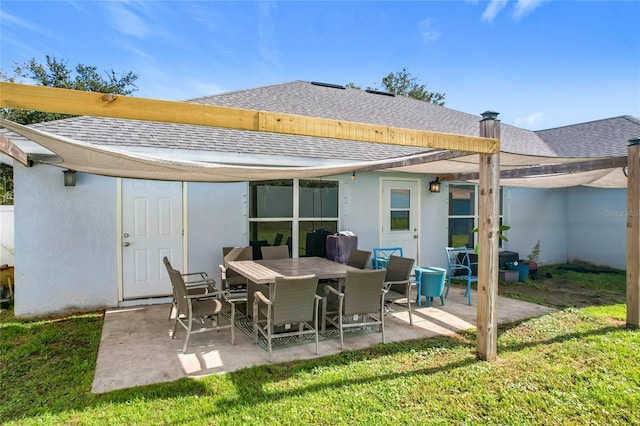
(269,341)
(233,324)
(448,285)
(382,325)
(341,328)
(469,292)
(409,304)
(186,338)
(442,300)
(175,325)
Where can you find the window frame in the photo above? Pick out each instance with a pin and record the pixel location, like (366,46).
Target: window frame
(475,216)
(296,219)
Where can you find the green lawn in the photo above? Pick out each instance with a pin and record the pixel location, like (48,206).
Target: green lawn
(578,366)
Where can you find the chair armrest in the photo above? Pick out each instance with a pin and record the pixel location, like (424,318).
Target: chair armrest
(328,289)
(200,283)
(203,275)
(207,295)
(388,284)
(259,297)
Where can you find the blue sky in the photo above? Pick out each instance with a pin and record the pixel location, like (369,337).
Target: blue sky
(540,63)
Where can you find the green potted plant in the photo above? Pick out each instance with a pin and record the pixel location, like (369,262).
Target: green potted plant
(501,235)
(532,260)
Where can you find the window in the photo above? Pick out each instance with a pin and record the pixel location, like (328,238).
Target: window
(400,209)
(463,202)
(293,211)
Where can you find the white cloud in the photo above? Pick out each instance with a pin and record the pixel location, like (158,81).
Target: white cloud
(525,7)
(7,18)
(494,7)
(428,33)
(126,21)
(268,48)
(529,122)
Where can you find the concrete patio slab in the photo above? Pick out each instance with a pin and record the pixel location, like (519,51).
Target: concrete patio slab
(136,348)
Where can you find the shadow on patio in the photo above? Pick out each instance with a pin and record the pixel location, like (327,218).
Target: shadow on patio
(136,348)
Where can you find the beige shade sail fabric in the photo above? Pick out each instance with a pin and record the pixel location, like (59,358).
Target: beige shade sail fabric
(107,161)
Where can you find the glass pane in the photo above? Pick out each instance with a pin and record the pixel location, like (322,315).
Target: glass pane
(400,220)
(460,232)
(269,233)
(400,198)
(318,198)
(312,236)
(462,200)
(272,198)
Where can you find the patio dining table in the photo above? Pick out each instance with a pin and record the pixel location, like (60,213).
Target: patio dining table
(263,272)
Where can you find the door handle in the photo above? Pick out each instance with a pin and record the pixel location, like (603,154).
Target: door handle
(126,244)
(415,236)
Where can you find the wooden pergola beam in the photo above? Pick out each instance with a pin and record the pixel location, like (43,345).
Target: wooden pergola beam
(428,157)
(13,151)
(547,169)
(633,234)
(50,99)
(488,254)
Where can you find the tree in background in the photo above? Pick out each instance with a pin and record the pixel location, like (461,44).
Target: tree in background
(57,74)
(6,184)
(402,83)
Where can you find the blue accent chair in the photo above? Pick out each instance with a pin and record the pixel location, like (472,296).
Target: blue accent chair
(381,256)
(459,268)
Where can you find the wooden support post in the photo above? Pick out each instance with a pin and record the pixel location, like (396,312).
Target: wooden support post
(633,233)
(488,228)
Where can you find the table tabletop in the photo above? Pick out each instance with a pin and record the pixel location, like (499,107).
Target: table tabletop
(265,271)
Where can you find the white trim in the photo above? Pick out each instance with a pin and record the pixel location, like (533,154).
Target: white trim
(418,207)
(185,229)
(119,253)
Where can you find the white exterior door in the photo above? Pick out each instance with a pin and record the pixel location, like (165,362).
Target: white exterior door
(400,205)
(151,229)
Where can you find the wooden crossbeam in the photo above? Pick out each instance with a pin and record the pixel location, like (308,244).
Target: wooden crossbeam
(548,169)
(13,151)
(427,157)
(50,99)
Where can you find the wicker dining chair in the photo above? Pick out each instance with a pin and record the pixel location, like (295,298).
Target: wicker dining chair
(359,258)
(197,283)
(275,252)
(398,282)
(196,308)
(363,295)
(293,302)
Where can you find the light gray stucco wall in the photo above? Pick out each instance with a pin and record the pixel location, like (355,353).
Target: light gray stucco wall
(216,218)
(435,225)
(360,208)
(65,242)
(537,214)
(597,222)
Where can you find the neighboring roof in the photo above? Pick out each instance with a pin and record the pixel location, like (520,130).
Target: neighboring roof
(599,138)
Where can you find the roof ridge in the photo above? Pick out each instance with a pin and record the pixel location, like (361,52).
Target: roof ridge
(246,90)
(628,117)
(631,118)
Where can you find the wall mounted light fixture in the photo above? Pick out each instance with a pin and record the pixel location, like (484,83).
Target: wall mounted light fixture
(69,177)
(434,185)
